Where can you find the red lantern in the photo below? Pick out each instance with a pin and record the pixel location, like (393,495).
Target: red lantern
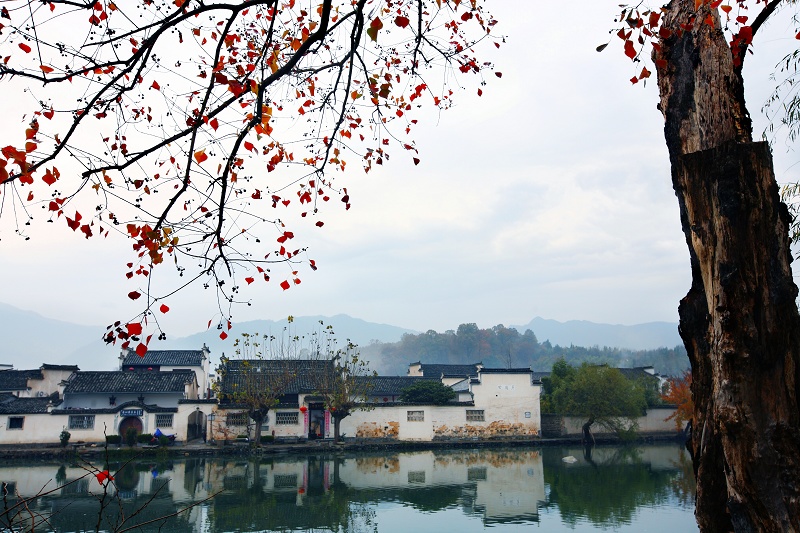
(303,409)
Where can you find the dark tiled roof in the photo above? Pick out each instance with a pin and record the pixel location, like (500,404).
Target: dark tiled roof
(537,376)
(437,371)
(150,408)
(291,376)
(393,385)
(11,405)
(506,371)
(73,368)
(461,386)
(637,373)
(164,358)
(130,382)
(16,380)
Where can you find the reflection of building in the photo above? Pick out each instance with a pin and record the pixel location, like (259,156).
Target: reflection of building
(333,492)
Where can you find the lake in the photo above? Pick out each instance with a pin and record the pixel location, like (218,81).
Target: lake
(635,488)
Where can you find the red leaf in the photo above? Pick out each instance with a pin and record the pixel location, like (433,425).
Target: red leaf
(285,285)
(163,308)
(104,475)
(46,69)
(141,349)
(74,224)
(200,156)
(25,48)
(416,161)
(134,328)
(630,51)
(466,16)
(319,224)
(134,295)
(155,85)
(498,74)
(223,335)
(214,124)
(249,280)
(402,21)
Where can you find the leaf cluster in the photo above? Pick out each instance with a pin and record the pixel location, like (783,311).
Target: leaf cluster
(679,394)
(198,130)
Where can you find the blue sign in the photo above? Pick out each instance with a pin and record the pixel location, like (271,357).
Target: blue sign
(131,412)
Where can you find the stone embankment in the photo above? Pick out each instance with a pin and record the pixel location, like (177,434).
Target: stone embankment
(199,448)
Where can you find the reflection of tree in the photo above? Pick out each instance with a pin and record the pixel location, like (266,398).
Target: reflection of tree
(610,493)
(684,486)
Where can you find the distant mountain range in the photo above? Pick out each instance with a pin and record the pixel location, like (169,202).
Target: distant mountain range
(648,336)
(29,339)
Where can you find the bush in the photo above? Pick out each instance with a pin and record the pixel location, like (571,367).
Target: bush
(144,438)
(267,438)
(64,437)
(113,439)
(428,392)
(163,440)
(130,437)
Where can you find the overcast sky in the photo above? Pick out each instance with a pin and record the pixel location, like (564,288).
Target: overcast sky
(547,196)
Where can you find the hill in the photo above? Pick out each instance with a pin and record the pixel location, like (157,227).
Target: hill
(647,336)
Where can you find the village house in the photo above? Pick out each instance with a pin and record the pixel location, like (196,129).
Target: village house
(489,403)
(159,391)
(299,412)
(171,390)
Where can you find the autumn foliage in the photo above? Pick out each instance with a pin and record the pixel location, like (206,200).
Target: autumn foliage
(641,29)
(679,394)
(199,131)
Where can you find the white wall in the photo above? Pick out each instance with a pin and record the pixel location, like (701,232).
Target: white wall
(653,422)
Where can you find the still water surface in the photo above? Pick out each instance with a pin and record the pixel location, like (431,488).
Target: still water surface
(644,488)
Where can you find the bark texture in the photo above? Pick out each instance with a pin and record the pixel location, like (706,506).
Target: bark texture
(739,321)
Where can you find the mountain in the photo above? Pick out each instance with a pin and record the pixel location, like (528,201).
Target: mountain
(648,336)
(346,327)
(30,339)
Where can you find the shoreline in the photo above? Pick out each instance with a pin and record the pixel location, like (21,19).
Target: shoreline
(194,449)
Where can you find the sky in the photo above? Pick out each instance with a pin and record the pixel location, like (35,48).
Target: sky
(547,196)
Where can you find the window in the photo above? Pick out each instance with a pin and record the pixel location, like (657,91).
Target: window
(475,415)
(284,418)
(236,419)
(416,476)
(81,421)
(285,481)
(476,473)
(164,421)
(15,422)
(416,416)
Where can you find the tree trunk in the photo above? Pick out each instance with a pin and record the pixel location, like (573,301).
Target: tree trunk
(739,321)
(586,432)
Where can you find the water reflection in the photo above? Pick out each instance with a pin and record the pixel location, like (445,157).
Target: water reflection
(502,487)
